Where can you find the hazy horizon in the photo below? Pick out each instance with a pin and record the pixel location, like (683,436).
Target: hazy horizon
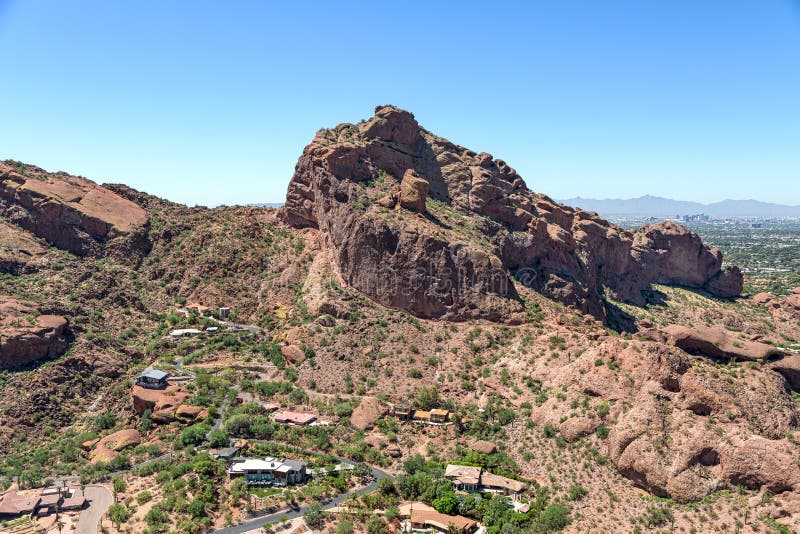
(677,100)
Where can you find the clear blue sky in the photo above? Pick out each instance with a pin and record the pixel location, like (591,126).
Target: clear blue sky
(212,102)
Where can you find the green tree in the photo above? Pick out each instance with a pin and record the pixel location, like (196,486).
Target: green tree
(118,514)
(446,504)
(344,527)
(197,509)
(118,485)
(218,438)
(313,516)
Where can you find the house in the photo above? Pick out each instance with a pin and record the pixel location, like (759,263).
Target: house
(402,411)
(270,471)
(426,519)
(491,483)
(439,416)
(14,505)
(468,478)
(422,415)
(185,332)
(226,453)
(152,379)
(224,312)
(74,501)
(463,477)
(294,418)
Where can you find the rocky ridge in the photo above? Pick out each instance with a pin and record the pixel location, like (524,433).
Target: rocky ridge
(419,223)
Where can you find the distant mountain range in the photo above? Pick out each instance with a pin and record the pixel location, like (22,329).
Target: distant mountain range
(664,207)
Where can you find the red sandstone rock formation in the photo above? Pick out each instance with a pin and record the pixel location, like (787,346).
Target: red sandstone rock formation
(26,335)
(483,226)
(72,213)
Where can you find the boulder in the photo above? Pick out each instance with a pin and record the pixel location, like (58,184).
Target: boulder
(789,368)
(109,447)
(575,428)
(413,192)
(367,412)
(292,353)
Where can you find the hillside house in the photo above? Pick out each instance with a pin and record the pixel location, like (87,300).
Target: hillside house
(294,418)
(474,479)
(153,379)
(402,411)
(433,520)
(439,416)
(491,483)
(184,332)
(15,505)
(270,471)
(464,477)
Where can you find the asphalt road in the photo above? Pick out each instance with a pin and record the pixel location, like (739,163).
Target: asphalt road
(100,499)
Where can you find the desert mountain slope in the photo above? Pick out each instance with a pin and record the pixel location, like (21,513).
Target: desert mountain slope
(388,233)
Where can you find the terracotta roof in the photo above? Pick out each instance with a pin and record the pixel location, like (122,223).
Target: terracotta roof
(496,481)
(441,521)
(15,504)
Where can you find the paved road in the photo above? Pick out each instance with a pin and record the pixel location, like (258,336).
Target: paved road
(100,498)
(259,522)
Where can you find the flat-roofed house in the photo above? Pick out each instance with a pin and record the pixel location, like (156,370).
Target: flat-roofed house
(153,379)
(401,410)
(439,416)
(463,477)
(270,471)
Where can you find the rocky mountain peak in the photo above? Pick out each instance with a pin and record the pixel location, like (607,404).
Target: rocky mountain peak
(481,226)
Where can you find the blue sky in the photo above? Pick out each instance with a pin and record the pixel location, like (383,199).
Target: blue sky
(212,102)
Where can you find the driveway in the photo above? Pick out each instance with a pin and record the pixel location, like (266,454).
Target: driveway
(100,499)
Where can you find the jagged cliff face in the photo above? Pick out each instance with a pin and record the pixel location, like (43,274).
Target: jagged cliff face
(453,252)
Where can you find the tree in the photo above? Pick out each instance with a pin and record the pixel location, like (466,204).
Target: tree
(118,514)
(197,509)
(218,438)
(446,504)
(555,517)
(344,527)
(118,485)
(313,515)
(376,525)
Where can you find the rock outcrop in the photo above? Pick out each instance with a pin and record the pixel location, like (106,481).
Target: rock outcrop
(676,429)
(72,213)
(26,335)
(482,226)
(166,405)
(366,413)
(718,343)
(109,447)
